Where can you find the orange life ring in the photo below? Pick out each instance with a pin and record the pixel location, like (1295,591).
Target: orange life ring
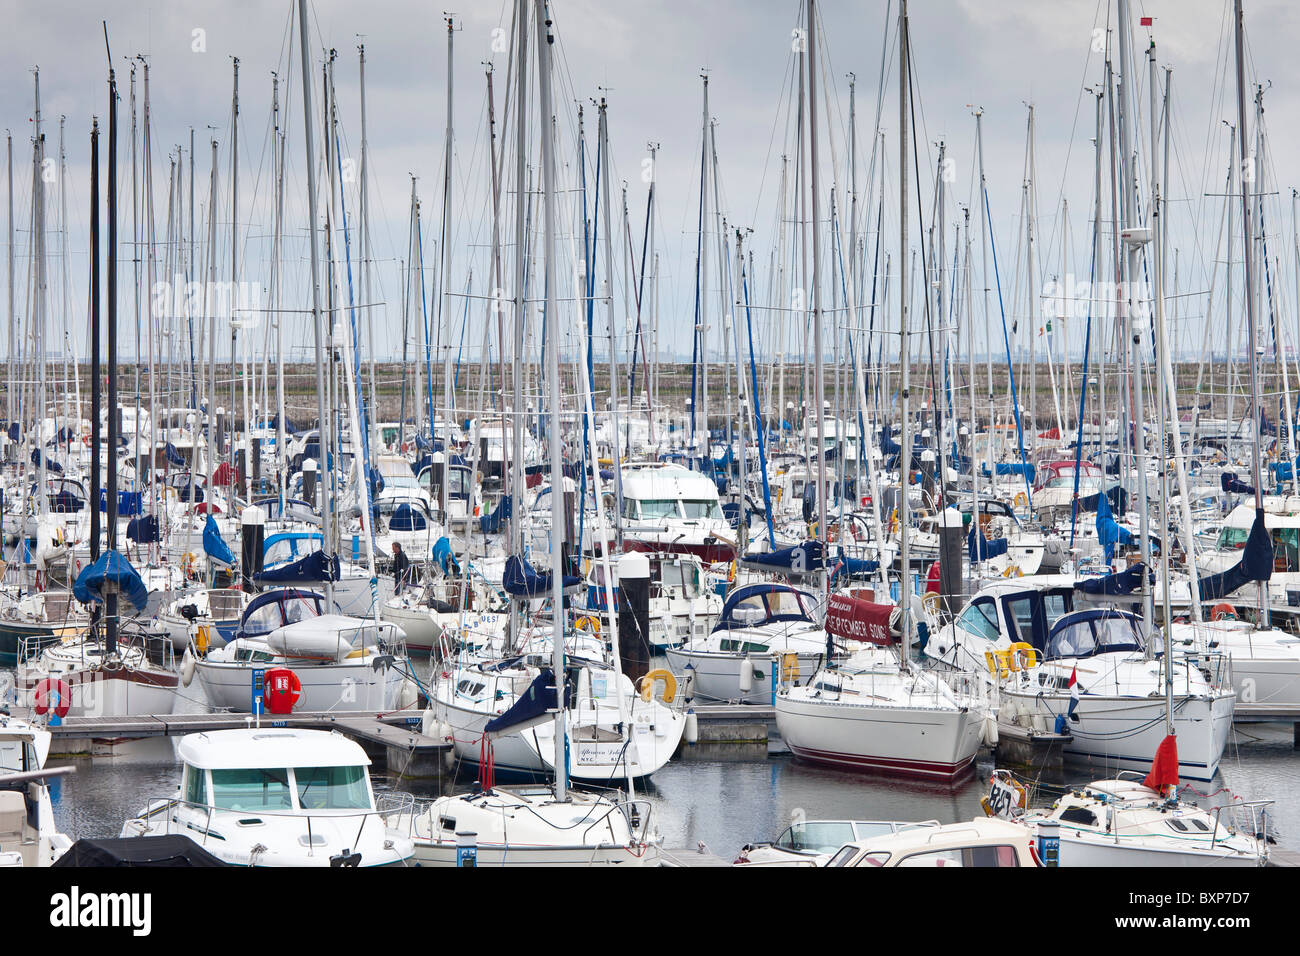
(1223,612)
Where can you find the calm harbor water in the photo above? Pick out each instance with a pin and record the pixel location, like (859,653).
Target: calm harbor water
(724,803)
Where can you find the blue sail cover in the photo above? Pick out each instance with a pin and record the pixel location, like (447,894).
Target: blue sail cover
(803,558)
(1116,497)
(112,568)
(1120,583)
(980,548)
(214,546)
(312,569)
(1012,468)
(1109,533)
(523,580)
(1229,482)
(143,530)
(174,456)
(50,465)
(1256,564)
(495,522)
(533,707)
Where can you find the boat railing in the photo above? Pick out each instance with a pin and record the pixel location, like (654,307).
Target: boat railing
(163,811)
(637,814)
(1244,816)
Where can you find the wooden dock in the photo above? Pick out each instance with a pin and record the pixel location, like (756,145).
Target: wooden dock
(407,749)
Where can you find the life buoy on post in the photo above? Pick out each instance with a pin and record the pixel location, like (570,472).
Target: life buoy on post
(1021,499)
(283,688)
(53,694)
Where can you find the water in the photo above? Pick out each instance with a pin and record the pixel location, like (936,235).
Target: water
(724,803)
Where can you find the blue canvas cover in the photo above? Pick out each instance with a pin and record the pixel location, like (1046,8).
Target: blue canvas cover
(111,568)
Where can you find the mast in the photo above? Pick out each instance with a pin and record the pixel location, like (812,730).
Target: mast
(1133,340)
(544,41)
(1248,262)
(110,600)
(905,469)
(327,520)
(95,450)
(521,274)
(448,394)
(818,358)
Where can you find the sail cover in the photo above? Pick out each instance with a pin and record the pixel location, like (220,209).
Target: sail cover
(980,548)
(856,619)
(803,558)
(534,706)
(1256,564)
(311,569)
(1233,486)
(1123,582)
(523,580)
(214,546)
(111,569)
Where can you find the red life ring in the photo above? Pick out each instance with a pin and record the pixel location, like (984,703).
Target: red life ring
(47,689)
(283,688)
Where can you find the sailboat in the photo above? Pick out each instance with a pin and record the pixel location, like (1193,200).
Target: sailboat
(876,711)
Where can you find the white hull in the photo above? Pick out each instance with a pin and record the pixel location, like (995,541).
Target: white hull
(929,743)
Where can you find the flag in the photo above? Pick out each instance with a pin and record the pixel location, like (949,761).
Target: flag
(1147,21)
(1164,768)
(1075,690)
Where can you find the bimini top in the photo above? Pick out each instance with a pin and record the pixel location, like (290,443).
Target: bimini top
(270,748)
(1095,631)
(757,604)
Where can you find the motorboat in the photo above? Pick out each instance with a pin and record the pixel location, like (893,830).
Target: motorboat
(279,797)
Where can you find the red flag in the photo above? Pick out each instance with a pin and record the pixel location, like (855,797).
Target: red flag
(1147,21)
(1164,768)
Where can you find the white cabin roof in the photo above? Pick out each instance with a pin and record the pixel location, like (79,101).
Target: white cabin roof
(270,747)
(667,482)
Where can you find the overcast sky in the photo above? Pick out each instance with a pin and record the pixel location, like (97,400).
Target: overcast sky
(648,58)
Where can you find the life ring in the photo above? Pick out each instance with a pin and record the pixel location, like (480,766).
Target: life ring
(931,602)
(1021,500)
(893,522)
(282,690)
(1223,612)
(649,681)
(55,688)
(588,623)
(1013,571)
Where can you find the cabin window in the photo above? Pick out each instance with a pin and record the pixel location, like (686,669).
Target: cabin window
(845,855)
(652,508)
(300,609)
(332,788)
(696,510)
(196,786)
(251,789)
(816,837)
(981,619)
(965,856)
(263,620)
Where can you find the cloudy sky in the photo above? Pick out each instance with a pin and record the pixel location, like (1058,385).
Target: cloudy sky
(647,58)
